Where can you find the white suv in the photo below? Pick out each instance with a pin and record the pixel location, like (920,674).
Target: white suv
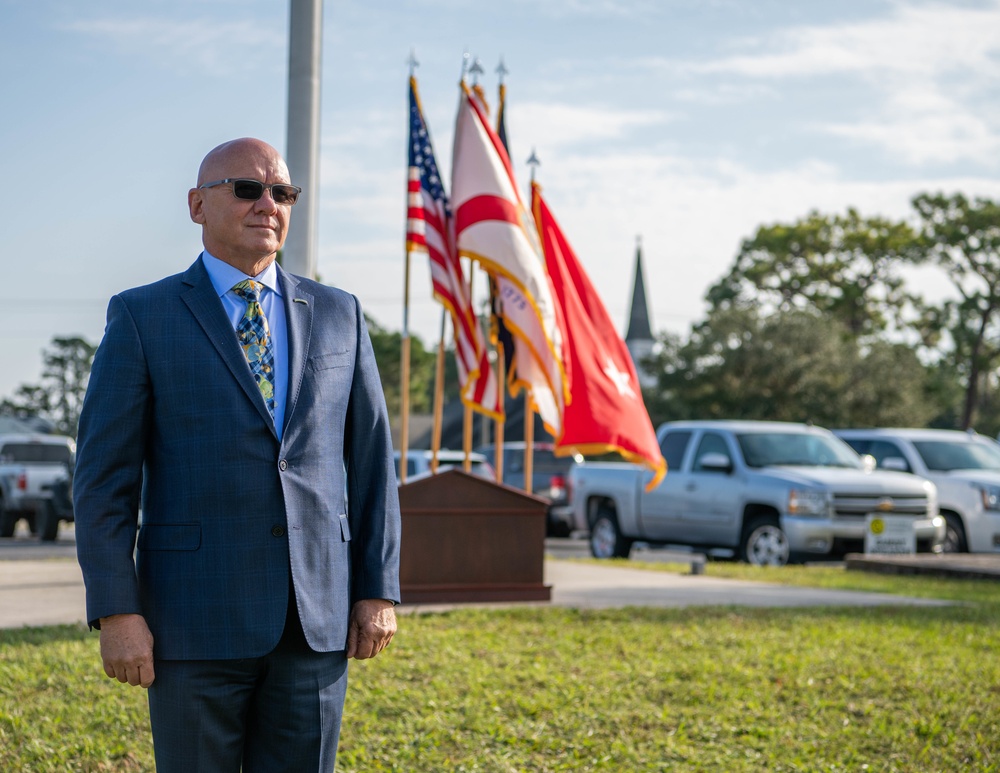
(418,463)
(964,466)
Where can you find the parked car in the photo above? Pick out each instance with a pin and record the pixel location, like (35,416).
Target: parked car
(35,478)
(418,463)
(964,466)
(548,478)
(769,491)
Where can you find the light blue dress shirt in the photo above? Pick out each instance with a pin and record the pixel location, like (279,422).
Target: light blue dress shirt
(224,277)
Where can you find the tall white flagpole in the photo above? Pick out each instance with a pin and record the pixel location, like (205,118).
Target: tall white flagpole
(305,44)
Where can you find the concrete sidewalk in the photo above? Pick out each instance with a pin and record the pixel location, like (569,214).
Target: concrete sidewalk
(586,586)
(48,592)
(41,592)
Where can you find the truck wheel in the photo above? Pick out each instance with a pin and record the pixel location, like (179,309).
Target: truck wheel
(764,543)
(954,535)
(47,521)
(606,540)
(7,522)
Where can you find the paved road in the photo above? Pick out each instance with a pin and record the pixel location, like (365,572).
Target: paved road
(40,584)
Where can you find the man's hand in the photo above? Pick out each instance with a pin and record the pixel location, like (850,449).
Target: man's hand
(373,622)
(127,649)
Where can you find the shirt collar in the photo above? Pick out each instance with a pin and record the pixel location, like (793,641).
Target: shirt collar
(224,275)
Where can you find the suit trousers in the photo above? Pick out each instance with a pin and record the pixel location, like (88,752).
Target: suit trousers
(280,712)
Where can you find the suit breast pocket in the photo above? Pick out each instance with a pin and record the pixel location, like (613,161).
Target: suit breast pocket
(170,536)
(331,360)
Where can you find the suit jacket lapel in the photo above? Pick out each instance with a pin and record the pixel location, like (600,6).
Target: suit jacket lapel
(203,301)
(299,320)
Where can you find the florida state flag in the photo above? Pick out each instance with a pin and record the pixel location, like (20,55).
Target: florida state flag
(605,411)
(494,228)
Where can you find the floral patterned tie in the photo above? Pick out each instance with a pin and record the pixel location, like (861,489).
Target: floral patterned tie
(255,338)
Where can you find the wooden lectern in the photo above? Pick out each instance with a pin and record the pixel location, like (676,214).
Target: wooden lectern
(467,539)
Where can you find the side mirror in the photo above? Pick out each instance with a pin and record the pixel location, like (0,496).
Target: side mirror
(715,462)
(897,463)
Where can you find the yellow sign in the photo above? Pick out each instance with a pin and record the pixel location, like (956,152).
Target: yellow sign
(878,526)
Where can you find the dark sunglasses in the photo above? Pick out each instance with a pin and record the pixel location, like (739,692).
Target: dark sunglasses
(251,190)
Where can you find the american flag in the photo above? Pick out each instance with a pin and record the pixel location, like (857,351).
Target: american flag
(429,229)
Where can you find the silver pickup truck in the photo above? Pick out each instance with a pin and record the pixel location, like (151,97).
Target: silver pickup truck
(35,480)
(769,491)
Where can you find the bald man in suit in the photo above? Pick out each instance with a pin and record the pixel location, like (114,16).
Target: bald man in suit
(239,407)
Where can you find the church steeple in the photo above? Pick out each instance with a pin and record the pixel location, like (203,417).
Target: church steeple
(639,339)
(639,324)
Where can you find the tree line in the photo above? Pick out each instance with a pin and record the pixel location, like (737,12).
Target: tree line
(66,361)
(816,320)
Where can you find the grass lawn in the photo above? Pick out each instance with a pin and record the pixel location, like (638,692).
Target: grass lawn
(549,689)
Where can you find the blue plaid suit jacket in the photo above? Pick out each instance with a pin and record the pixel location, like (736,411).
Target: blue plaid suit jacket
(173,420)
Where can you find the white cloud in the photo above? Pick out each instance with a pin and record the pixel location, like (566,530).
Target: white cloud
(929,40)
(554,125)
(219,47)
(924,127)
(935,66)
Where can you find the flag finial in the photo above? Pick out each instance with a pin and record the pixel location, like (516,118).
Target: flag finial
(412,61)
(476,70)
(465,63)
(501,70)
(534,163)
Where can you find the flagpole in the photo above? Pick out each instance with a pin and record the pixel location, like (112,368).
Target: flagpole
(438,398)
(529,443)
(529,408)
(404,398)
(467,413)
(404,395)
(500,419)
(305,49)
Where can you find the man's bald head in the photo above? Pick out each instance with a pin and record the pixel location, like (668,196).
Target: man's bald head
(221,160)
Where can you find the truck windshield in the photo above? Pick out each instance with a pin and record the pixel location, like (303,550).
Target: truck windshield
(946,455)
(34,453)
(768,449)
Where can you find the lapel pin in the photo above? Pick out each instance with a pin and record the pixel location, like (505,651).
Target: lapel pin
(303,301)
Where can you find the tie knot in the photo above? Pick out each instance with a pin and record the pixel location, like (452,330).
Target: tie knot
(248,290)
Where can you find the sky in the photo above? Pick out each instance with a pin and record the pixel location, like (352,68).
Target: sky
(690,123)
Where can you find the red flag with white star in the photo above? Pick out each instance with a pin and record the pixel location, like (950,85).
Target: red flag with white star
(605,411)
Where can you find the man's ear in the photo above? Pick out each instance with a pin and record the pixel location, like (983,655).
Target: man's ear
(196,205)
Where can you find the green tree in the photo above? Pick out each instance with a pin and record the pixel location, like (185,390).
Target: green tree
(963,238)
(59,397)
(388,346)
(794,365)
(847,267)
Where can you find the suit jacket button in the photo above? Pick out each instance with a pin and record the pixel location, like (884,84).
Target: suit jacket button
(282,465)
(277,531)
